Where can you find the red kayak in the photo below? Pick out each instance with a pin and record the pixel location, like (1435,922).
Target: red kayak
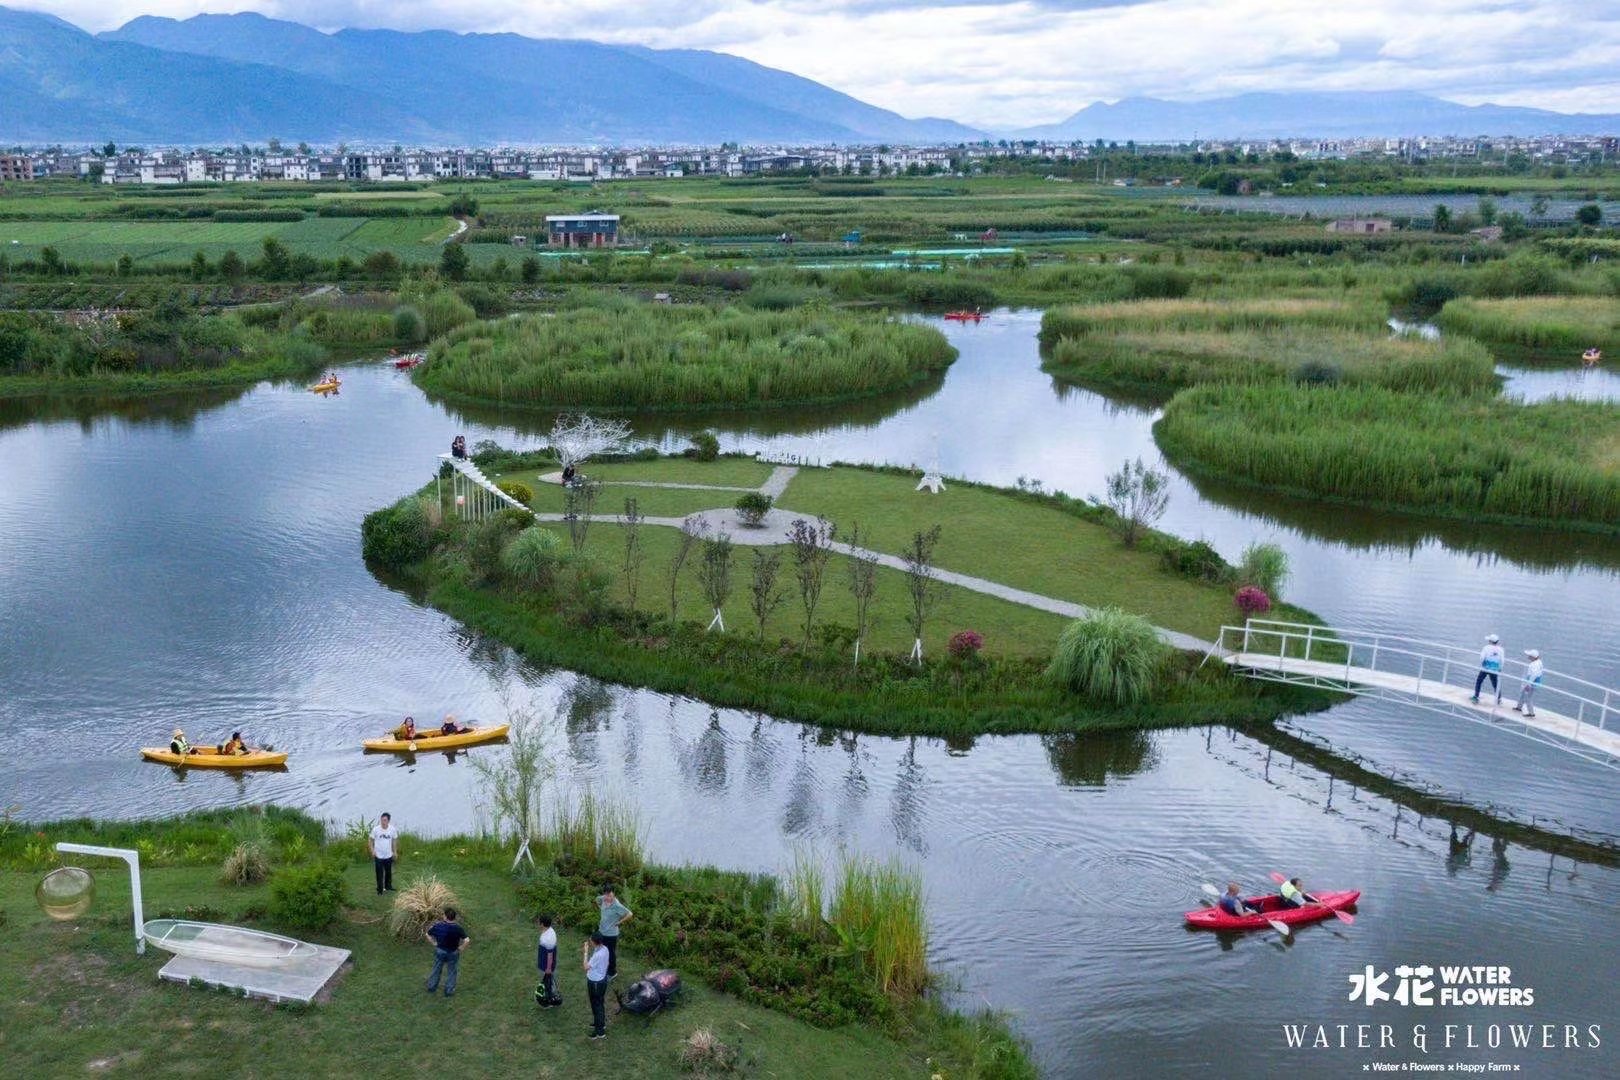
(408,361)
(1213,918)
(965,316)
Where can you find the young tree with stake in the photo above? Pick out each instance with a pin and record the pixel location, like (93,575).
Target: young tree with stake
(692,530)
(921,584)
(714,576)
(863,566)
(812,547)
(764,595)
(633,551)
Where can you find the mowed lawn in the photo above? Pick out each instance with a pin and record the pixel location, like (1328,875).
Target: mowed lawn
(652,501)
(78,1000)
(1015,542)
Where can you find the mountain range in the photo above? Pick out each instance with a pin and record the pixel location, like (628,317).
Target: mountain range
(1308,114)
(245,77)
(232,78)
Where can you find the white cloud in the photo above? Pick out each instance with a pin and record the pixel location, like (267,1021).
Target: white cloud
(1020,62)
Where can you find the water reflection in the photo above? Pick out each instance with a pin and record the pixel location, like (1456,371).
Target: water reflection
(1090,760)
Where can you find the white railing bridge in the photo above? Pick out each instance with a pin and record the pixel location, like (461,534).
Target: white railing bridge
(1571,714)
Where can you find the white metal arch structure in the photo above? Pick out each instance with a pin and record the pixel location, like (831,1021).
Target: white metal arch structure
(1573,715)
(133,858)
(477,496)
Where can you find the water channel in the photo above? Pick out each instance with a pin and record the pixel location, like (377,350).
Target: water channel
(196,561)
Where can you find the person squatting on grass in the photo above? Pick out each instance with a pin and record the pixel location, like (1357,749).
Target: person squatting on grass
(546,960)
(381,844)
(596,980)
(614,914)
(448,940)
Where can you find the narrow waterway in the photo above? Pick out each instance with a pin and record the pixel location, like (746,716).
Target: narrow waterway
(197,562)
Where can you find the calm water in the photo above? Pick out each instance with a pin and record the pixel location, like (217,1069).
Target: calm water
(197,562)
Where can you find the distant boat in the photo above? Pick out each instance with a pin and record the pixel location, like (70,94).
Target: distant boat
(965,316)
(1592,357)
(224,944)
(408,360)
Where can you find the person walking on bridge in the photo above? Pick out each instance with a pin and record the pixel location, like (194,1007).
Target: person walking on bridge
(1532,679)
(1490,667)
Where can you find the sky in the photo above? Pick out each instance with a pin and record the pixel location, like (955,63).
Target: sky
(1011,63)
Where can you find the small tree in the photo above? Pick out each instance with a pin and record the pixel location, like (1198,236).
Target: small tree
(692,530)
(1590,215)
(578,437)
(752,508)
(1442,218)
(714,576)
(922,586)
(579,508)
(633,551)
(453,262)
(231,267)
(812,547)
(1139,496)
(764,595)
(515,785)
(863,566)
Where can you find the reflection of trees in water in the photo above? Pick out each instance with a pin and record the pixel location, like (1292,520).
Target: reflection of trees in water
(1375,530)
(801,812)
(1089,760)
(707,760)
(673,427)
(906,801)
(760,758)
(177,411)
(855,785)
(587,705)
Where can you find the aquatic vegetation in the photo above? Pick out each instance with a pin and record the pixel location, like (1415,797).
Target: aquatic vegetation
(1571,323)
(657,356)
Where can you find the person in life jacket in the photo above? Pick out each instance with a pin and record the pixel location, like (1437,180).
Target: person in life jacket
(1490,667)
(1232,903)
(178,744)
(1533,672)
(1293,893)
(408,731)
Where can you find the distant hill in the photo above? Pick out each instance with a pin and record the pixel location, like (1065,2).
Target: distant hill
(1346,114)
(494,88)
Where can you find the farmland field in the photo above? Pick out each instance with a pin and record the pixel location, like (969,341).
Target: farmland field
(412,238)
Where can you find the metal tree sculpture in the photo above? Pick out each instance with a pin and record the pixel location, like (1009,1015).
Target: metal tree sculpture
(578,437)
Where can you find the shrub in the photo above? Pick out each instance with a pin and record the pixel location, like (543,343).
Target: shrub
(702,1052)
(752,508)
(1196,560)
(705,446)
(964,644)
(1318,373)
(1252,601)
(397,536)
(532,556)
(245,865)
(1264,566)
(307,898)
(418,907)
(520,491)
(409,325)
(1110,655)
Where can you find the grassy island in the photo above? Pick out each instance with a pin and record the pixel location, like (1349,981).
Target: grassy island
(985,654)
(1311,397)
(1568,324)
(633,355)
(769,983)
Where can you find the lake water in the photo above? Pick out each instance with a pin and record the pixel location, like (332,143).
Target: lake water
(196,562)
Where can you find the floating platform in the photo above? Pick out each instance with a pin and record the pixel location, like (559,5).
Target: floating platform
(299,980)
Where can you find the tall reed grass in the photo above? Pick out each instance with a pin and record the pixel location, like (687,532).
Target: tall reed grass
(647,356)
(1110,655)
(598,831)
(878,913)
(1574,323)
(1553,462)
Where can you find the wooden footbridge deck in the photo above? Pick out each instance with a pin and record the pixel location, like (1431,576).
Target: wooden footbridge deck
(1571,714)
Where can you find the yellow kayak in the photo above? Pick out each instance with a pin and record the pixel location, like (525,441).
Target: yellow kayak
(207,757)
(395,741)
(325,387)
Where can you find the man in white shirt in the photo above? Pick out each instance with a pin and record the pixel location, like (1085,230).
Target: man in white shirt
(1532,678)
(546,959)
(381,843)
(1490,667)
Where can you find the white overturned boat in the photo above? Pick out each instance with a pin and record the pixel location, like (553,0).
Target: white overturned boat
(225,944)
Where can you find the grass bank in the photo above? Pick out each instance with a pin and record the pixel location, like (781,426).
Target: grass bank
(1566,323)
(82,1000)
(1554,463)
(628,355)
(1162,347)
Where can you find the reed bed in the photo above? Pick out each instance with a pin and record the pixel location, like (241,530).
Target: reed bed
(1221,316)
(646,356)
(1482,457)
(597,831)
(1574,323)
(878,913)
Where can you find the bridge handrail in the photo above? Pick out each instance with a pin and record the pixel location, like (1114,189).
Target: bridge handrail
(1391,645)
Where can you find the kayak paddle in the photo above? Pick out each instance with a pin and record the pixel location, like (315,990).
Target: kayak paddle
(1281,927)
(1343,916)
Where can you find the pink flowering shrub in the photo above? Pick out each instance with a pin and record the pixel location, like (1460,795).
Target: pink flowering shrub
(965,644)
(1252,600)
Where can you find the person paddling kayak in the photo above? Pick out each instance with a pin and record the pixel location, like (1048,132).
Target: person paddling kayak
(1293,893)
(1232,903)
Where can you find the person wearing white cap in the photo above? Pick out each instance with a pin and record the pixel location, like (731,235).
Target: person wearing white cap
(1532,679)
(1490,667)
